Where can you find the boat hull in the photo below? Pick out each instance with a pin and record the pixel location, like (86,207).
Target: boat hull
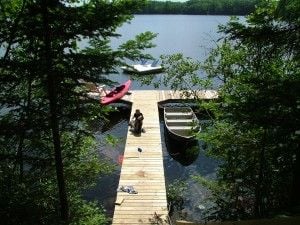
(179,138)
(116,94)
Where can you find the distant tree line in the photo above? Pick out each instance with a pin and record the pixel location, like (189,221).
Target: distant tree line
(201,7)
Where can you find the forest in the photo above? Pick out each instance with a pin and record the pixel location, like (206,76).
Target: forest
(200,7)
(254,128)
(48,156)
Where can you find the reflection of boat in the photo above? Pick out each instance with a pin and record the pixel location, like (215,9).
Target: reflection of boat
(181,123)
(183,152)
(143,68)
(117,93)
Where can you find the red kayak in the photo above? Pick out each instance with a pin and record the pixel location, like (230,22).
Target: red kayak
(117,93)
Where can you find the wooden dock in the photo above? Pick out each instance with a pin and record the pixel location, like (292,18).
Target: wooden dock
(166,95)
(144,171)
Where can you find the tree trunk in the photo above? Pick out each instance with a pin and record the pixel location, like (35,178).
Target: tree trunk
(20,156)
(25,118)
(260,186)
(57,149)
(296,181)
(54,122)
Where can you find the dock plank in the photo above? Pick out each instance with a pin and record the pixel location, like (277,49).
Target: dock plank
(144,171)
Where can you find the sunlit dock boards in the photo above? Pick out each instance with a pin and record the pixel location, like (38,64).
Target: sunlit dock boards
(166,95)
(145,171)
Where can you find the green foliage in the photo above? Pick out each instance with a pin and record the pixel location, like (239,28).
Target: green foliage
(192,152)
(224,61)
(178,67)
(47,150)
(130,49)
(182,74)
(83,160)
(254,134)
(113,141)
(255,121)
(175,192)
(238,148)
(87,213)
(223,201)
(210,184)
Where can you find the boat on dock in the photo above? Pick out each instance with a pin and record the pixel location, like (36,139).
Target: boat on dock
(143,68)
(181,123)
(116,94)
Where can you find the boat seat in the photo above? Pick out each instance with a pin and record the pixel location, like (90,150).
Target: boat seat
(180,122)
(178,115)
(182,127)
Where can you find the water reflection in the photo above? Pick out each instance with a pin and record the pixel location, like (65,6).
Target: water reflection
(183,152)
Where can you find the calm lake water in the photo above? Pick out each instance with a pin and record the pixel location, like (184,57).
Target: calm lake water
(193,36)
(190,35)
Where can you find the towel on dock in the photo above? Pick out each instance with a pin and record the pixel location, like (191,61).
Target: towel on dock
(128,189)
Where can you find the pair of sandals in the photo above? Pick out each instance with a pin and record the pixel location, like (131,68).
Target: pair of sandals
(128,189)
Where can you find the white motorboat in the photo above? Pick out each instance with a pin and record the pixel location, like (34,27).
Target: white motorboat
(143,68)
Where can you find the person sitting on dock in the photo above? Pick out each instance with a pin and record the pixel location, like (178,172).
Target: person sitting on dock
(138,121)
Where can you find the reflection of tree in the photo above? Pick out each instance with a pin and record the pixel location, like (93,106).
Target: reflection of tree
(175,193)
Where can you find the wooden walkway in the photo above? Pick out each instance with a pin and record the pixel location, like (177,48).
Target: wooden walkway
(145,171)
(166,95)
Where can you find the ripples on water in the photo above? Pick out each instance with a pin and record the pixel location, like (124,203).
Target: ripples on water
(177,167)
